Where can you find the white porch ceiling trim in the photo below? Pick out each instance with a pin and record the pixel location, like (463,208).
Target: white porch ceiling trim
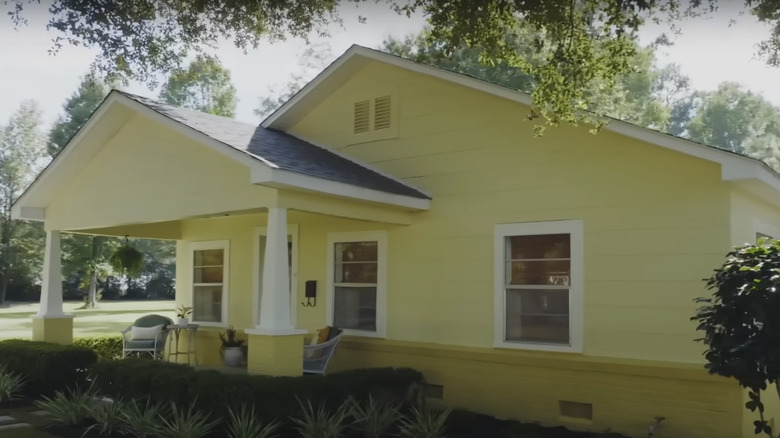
(734,167)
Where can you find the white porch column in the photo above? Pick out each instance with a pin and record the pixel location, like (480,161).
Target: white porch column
(275,301)
(51,288)
(51,324)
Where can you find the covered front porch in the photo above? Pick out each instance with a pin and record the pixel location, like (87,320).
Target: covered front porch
(251,229)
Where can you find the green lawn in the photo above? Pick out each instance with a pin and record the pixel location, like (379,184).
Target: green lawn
(107,319)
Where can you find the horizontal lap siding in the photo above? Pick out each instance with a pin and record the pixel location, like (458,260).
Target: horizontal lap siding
(655,223)
(624,398)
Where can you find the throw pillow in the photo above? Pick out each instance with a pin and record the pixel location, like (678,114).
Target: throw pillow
(144,333)
(323,334)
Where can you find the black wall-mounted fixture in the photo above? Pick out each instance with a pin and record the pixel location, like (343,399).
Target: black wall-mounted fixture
(311,294)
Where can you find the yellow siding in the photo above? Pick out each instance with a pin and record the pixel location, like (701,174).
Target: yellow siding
(162,176)
(626,395)
(749,216)
(656,222)
(239,230)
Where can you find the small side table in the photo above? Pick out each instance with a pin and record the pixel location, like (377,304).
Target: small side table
(173,355)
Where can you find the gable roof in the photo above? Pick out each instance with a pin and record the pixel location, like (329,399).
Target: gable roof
(741,169)
(280,150)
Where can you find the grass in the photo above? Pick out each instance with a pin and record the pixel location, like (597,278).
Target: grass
(108,319)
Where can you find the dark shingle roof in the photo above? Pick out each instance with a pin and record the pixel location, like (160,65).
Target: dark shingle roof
(279,149)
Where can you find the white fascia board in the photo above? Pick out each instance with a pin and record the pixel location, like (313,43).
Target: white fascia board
(28,213)
(284,179)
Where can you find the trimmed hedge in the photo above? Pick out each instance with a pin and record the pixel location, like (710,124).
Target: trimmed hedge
(46,367)
(275,397)
(106,347)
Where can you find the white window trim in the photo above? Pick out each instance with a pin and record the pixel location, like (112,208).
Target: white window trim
(206,245)
(576,291)
(380,237)
(292,231)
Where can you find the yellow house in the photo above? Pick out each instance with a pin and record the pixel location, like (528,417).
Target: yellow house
(544,279)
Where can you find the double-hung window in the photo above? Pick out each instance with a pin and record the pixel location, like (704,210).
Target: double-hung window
(209,282)
(357,267)
(539,285)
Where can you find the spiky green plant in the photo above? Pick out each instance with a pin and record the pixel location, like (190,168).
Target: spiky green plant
(245,424)
(10,385)
(319,422)
(71,408)
(186,423)
(422,422)
(373,419)
(109,417)
(142,420)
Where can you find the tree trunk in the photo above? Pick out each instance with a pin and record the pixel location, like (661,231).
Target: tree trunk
(92,294)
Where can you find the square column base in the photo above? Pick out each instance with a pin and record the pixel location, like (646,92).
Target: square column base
(54,329)
(275,355)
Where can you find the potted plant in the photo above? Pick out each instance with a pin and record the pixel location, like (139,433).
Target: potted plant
(232,353)
(183,313)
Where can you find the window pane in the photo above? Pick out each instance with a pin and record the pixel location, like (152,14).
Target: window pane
(537,315)
(546,246)
(553,272)
(356,252)
(209,257)
(207,303)
(208,275)
(355,308)
(356,272)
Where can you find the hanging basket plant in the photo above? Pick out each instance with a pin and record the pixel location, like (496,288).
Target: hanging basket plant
(127,259)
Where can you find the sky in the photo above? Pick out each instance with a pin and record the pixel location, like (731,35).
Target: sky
(709,51)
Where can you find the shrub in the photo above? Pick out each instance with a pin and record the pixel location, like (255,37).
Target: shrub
(424,423)
(320,422)
(186,423)
(10,385)
(244,423)
(373,419)
(46,368)
(70,408)
(275,397)
(109,417)
(142,420)
(106,347)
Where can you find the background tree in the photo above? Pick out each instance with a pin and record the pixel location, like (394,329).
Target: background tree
(21,155)
(311,61)
(587,41)
(76,111)
(733,118)
(739,323)
(204,86)
(86,258)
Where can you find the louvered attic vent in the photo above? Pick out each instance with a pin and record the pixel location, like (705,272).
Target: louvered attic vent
(362,117)
(382,112)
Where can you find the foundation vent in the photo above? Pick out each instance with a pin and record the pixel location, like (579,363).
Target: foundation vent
(362,117)
(434,392)
(580,411)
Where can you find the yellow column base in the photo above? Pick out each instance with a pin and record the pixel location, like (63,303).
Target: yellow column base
(275,354)
(54,329)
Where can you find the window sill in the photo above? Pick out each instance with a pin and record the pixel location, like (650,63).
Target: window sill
(363,333)
(537,347)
